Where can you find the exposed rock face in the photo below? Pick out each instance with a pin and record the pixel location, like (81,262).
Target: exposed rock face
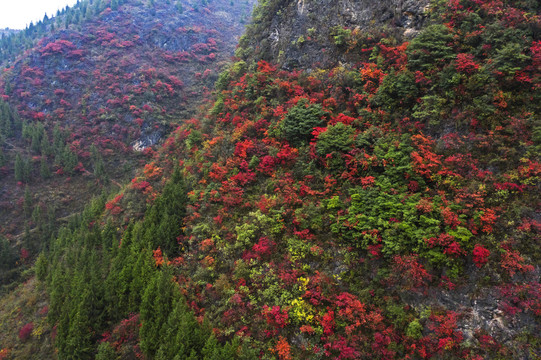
(302,33)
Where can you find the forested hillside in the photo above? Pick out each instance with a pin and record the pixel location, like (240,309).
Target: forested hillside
(379,203)
(86,97)
(100,85)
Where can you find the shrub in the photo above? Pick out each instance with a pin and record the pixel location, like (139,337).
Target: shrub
(25,331)
(338,138)
(415,329)
(397,89)
(430,48)
(105,352)
(510,59)
(300,121)
(341,35)
(480,255)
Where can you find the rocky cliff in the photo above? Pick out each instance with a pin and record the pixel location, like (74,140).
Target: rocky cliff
(306,33)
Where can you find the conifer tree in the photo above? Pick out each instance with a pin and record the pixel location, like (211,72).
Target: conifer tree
(106,352)
(19,168)
(69,160)
(163,219)
(8,256)
(58,140)
(157,304)
(141,273)
(36,217)
(36,136)
(182,335)
(2,157)
(45,146)
(44,170)
(78,342)
(41,267)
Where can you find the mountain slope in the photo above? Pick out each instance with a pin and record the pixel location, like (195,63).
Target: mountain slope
(86,97)
(386,207)
(305,34)
(92,94)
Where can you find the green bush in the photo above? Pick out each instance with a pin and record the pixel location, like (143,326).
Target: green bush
(300,121)
(510,59)
(415,329)
(397,89)
(430,48)
(337,138)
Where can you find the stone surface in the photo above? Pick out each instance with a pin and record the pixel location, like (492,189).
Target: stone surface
(300,33)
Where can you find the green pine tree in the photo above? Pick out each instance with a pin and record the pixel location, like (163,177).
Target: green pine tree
(45,146)
(19,168)
(157,304)
(44,170)
(3,160)
(41,267)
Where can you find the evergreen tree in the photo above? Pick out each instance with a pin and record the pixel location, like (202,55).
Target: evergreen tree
(8,256)
(6,117)
(182,335)
(78,343)
(106,352)
(27,170)
(58,143)
(3,160)
(300,121)
(98,164)
(430,48)
(7,88)
(141,273)
(45,146)
(41,267)
(163,219)
(158,301)
(211,350)
(44,170)
(97,7)
(69,160)
(37,217)
(19,168)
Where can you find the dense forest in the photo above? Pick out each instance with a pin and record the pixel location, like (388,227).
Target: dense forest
(353,187)
(85,105)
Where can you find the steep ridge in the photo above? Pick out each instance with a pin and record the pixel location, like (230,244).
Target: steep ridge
(385,205)
(103,82)
(86,97)
(306,34)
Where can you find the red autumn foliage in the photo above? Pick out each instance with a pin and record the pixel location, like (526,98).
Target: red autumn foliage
(512,262)
(480,255)
(410,272)
(465,63)
(26,331)
(113,205)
